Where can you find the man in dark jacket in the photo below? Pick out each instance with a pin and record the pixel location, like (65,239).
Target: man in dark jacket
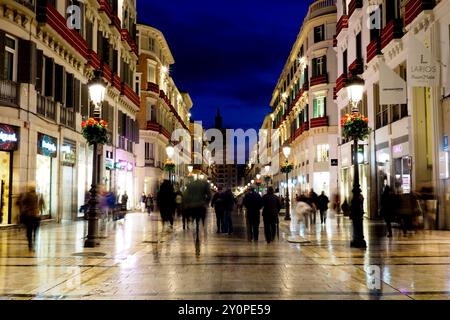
(322,205)
(313,203)
(218,204)
(166,202)
(229,203)
(271,208)
(253,203)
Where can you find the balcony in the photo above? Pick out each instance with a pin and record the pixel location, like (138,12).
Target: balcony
(9,93)
(393,30)
(319,122)
(152,87)
(130,94)
(117,83)
(342,24)
(49,15)
(321,7)
(67,117)
(340,82)
(150,162)
(305,126)
(93,59)
(414,7)
(46,107)
(320,79)
(354,4)
(373,49)
(30,4)
(126,36)
(357,67)
(156,127)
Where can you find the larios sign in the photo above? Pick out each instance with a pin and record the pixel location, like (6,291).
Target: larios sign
(423,69)
(9,137)
(47,146)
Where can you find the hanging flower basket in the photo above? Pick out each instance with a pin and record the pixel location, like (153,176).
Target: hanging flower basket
(95,131)
(355,126)
(287,168)
(169,167)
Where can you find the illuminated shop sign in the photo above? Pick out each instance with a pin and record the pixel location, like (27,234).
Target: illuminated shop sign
(47,146)
(9,137)
(68,152)
(123,165)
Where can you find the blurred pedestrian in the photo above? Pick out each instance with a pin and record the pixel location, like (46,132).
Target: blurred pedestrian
(387,211)
(166,203)
(149,203)
(124,202)
(322,205)
(179,203)
(30,205)
(253,204)
(143,202)
(271,208)
(197,197)
(313,203)
(219,208)
(229,203)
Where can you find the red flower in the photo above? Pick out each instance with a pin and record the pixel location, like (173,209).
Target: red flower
(83,124)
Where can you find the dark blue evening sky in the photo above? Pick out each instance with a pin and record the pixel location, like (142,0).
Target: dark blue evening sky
(228,53)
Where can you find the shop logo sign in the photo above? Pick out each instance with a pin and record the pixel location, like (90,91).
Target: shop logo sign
(7,137)
(423,69)
(73,17)
(47,146)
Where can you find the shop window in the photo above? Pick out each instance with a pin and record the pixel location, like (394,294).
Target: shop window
(319,107)
(10,59)
(322,152)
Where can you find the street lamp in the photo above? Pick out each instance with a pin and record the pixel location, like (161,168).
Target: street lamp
(355,90)
(287,153)
(170,151)
(97,90)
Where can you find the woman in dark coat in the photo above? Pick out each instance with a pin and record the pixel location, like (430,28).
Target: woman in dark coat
(166,202)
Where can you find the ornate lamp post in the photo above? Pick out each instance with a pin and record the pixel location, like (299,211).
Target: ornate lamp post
(286,169)
(355,127)
(170,166)
(94,130)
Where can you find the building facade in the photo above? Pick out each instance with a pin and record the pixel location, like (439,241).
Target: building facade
(45,66)
(304,113)
(406,149)
(164,108)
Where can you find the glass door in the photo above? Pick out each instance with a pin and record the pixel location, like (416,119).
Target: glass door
(5,165)
(44,183)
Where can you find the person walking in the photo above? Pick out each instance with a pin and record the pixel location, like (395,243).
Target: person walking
(30,205)
(271,208)
(313,203)
(179,203)
(386,209)
(124,202)
(197,197)
(143,202)
(166,203)
(253,204)
(149,203)
(322,205)
(219,208)
(229,203)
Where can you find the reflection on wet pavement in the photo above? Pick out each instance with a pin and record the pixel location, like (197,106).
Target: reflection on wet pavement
(137,259)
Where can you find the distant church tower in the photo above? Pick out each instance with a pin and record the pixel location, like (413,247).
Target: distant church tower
(218,120)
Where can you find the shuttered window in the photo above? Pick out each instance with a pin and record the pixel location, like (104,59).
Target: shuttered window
(59,84)
(39,70)
(49,77)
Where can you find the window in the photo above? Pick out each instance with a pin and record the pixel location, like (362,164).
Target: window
(323,153)
(319,33)
(319,66)
(151,44)
(319,107)
(358,46)
(10,63)
(344,62)
(344,7)
(149,155)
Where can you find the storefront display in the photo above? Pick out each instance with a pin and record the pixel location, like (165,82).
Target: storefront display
(125,181)
(9,142)
(68,160)
(46,173)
